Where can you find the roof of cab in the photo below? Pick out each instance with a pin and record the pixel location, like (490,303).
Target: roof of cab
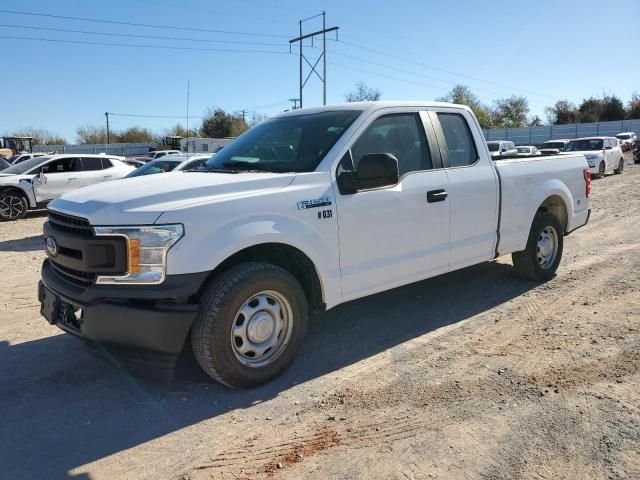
(369,106)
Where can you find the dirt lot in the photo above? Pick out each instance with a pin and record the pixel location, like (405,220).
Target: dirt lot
(475,374)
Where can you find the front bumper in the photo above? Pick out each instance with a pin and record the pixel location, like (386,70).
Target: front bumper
(148,320)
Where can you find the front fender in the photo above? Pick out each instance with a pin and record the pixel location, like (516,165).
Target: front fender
(204,248)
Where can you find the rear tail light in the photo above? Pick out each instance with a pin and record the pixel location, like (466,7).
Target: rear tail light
(587,182)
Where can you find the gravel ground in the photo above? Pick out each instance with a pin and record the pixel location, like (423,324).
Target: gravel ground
(474,374)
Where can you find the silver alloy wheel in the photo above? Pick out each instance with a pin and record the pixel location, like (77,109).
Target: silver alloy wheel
(11,206)
(261,329)
(547,247)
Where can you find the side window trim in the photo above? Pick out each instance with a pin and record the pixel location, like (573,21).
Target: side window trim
(432,142)
(442,142)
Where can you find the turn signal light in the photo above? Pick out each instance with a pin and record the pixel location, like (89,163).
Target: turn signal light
(134,255)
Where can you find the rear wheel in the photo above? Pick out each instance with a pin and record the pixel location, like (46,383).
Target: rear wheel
(252,322)
(13,205)
(540,259)
(601,171)
(620,167)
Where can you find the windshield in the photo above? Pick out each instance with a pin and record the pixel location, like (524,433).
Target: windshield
(623,137)
(493,147)
(288,144)
(156,166)
(524,150)
(584,145)
(24,167)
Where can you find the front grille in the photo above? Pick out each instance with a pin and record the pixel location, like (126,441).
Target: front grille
(69,224)
(76,277)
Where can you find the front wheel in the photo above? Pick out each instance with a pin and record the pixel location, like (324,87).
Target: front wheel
(620,167)
(540,259)
(251,324)
(13,205)
(601,171)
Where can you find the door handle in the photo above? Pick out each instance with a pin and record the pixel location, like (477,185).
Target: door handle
(436,196)
(73,178)
(107,176)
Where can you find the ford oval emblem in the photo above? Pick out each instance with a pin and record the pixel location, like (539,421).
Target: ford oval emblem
(52,246)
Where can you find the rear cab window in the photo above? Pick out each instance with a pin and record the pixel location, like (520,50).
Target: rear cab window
(460,144)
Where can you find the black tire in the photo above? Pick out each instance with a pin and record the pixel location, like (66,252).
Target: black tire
(13,205)
(226,295)
(601,171)
(526,262)
(620,168)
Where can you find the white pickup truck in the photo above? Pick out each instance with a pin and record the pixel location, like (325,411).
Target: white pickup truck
(307,210)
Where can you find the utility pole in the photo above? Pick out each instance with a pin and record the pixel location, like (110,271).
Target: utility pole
(187,144)
(295,103)
(323,55)
(243,112)
(106,114)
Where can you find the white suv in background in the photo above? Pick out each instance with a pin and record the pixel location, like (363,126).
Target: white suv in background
(627,139)
(499,148)
(163,153)
(603,154)
(41,179)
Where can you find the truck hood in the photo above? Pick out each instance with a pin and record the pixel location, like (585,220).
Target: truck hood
(141,200)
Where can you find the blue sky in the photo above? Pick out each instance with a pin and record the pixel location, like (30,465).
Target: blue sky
(545,50)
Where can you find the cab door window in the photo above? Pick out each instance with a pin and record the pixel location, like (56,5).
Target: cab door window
(401,135)
(62,165)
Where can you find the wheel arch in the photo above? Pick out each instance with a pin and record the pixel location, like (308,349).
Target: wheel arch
(285,256)
(31,201)
(556,205)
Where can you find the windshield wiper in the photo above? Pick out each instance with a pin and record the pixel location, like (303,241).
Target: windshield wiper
(252,167)
(209,169)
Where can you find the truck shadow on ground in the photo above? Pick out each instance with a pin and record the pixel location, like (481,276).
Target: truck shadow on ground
(63,407)
(27,244)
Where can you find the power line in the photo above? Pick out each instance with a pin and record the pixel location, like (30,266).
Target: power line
(147,25)
(389,55)
(131,45)
(131,35)
(448,82)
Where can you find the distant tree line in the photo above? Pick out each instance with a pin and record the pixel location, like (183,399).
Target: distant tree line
(216,123)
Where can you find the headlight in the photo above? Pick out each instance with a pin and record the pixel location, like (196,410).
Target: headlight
(147,248)
(592,164)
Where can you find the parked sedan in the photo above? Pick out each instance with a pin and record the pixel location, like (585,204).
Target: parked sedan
(171,163)
(23,157)
(41,179)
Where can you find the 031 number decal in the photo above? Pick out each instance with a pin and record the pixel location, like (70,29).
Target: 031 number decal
(324,214)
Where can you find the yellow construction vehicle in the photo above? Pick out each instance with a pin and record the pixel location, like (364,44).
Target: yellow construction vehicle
(172,142)
(13,145)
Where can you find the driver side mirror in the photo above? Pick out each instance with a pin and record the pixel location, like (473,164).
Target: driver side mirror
(42,177)
(608,147)
(375,170)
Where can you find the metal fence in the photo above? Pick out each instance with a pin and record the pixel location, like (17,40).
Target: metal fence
(124,149)
(536,135)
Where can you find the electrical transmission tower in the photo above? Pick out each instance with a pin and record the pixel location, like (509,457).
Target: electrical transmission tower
(323,55)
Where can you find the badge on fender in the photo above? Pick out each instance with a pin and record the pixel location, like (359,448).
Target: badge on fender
(316,203)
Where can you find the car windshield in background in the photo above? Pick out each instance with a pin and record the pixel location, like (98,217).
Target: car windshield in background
(493,147)
(623,137)
(524,150)
(557,145)
(295,143)
(583,145)
(24,167)
(156,166)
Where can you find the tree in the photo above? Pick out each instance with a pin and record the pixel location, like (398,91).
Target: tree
(179,130)
(134,135)
(257,118)
(220,124)
(92,134)
(510,112)
(590,110)
(535,121)
(462,95)
(561,113)
(363,93)
(40,136)
(612,109)
(633,107)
